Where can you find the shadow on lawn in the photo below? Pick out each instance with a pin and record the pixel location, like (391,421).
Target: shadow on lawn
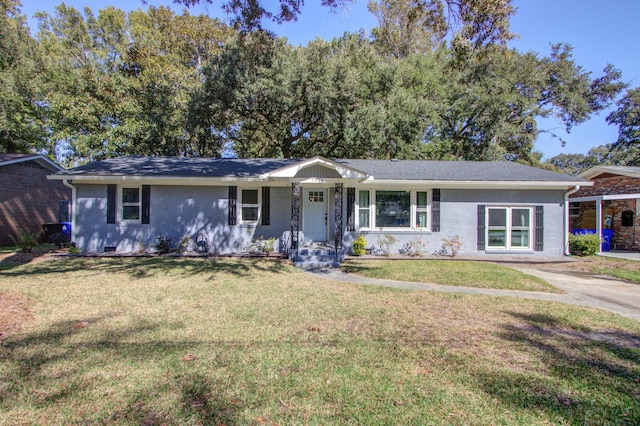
(64,364)
(154,266)
(589,376)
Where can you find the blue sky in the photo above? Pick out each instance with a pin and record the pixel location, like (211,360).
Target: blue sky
(600,32)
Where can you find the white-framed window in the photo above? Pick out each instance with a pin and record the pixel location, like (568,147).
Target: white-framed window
(249,205)
(130,204)
(364,209)
(422,209)
(393,209)
(509,228)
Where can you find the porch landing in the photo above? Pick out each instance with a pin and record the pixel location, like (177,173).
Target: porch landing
(317,255)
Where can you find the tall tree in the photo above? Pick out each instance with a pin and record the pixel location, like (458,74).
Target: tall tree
(22,126)
(627,118)
(494,96)
(121,84)
(603,155)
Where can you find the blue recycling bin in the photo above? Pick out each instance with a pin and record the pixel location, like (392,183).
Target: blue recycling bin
(66,229)
(607,235)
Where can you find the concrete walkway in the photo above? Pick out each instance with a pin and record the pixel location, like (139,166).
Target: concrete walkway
(582,290)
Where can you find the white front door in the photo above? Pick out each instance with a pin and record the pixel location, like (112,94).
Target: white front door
(315,215)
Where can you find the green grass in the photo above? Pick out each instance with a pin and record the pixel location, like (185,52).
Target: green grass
(194,341)
(449,272)
(619,268)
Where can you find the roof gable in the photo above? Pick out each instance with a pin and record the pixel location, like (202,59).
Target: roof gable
(8,159)
(326,168)
(596,171)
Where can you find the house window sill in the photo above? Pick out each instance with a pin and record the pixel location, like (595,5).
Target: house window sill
(424,231)
(510,251)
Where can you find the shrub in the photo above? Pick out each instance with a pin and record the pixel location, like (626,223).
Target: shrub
(163,245)
(26,240)
(185,244)
(451,245)
(385,243)
(584,244)
(262,246)
(416,248)
(359,246)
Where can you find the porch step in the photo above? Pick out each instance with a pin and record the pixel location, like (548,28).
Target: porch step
(317,258)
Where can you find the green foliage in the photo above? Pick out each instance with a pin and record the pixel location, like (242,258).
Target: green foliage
(414,248)
(386,242)
(359,245)
(185,244)
(26,240)
(163,245)
(627,118)
(603,155)
(262,246)
(94,86)
(584,245)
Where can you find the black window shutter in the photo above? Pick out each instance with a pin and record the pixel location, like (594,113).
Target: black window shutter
(266,205)
(146,204)
(233,201)
(351,204)
(111,203)
(435,210)
(481,226)
(539,228)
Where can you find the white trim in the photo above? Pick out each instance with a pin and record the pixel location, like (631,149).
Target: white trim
(413,197)
(508,228)
(605,197)
(369,182)
(292,170)
(35,157)
(121,205)
(240,204)
(598,170)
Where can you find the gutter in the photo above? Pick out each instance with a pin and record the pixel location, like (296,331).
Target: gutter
(74,196)
(566,218)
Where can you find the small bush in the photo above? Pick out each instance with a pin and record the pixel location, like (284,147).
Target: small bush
(359,246)
(451,245)
(584,244)
(385,243)
(415,248)
(262,246)
(26,240)
(185,244)
(163,245)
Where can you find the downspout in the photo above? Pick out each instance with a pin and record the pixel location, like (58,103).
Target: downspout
(74,194)
(566,218)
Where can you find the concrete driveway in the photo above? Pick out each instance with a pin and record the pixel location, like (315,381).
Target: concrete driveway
(600,292)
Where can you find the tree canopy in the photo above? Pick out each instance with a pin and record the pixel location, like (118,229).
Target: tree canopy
(434,80)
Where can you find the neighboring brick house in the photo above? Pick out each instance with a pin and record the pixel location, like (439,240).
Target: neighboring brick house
(615,198)
(27,199)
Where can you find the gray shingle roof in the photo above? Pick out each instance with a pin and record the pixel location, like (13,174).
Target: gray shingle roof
(379,169)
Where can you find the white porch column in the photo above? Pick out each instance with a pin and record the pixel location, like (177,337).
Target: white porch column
(599,222)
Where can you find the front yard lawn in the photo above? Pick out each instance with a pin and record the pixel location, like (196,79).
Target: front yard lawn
(465,273)
(223,341)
